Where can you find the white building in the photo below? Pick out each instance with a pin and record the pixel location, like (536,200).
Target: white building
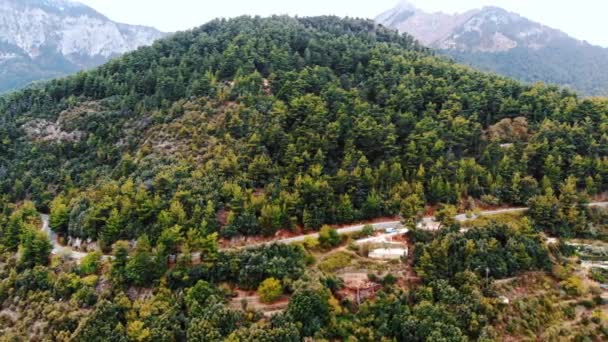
(388,253)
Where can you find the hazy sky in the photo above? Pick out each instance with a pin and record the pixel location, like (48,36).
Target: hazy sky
(583,19)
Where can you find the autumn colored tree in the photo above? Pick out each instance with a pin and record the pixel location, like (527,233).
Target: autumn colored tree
(270,290)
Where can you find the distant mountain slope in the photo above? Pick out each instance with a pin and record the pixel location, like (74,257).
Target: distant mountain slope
(41,39)
(493,39)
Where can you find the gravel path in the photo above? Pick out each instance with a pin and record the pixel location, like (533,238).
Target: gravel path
(59,249)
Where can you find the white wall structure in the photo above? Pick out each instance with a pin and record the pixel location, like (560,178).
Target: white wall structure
(388,253)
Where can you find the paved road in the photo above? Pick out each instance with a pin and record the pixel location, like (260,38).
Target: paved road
(427,223)
(341,231)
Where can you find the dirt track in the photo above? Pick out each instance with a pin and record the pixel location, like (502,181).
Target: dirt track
(427,222)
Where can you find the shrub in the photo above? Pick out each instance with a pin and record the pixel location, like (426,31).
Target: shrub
(352,246)
(270,290)
(573,286)
(598,300)
(569,312)
(368,230)
(329,237)
(311,243)
(389,279)
(588,304)
(600,275)
(372,277)
(335,262)
(91,280)
(490,200)
(90,263)
(86,296)
(599,316)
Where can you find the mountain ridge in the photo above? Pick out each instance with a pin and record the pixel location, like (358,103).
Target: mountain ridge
(497,40)
(41,39)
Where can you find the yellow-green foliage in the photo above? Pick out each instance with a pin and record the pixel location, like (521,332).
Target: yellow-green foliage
(574,286)
(311,243)
(526,317)
(91,263)
(90,280)
(270,290)
(137,332)
(336,261)
(250,125)
(329,237)
(514,220)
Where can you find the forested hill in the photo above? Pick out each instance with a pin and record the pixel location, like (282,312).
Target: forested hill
(250,125)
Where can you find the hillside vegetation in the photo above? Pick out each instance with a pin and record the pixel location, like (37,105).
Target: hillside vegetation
(577,66)
(251,125)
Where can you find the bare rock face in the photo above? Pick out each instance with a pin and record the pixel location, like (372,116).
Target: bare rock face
(429,28)
(490,29)
(59,130)
(43,130)
(47,38)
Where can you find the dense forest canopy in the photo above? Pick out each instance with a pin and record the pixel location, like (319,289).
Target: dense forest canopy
(250,125)
(567,63)
(247,126)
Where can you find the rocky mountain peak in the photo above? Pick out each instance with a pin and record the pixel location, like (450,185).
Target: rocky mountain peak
(490,29)
(401,12)
(405,5)
(495,39)
(48,38)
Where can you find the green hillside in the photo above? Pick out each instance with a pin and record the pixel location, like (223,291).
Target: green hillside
(574,65)
(248,126)
(280,122)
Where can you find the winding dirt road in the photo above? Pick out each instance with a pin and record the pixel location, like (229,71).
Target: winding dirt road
(59,249)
